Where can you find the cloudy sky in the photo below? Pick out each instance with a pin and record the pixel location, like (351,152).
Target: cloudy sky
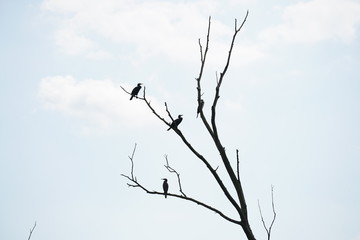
(289,103)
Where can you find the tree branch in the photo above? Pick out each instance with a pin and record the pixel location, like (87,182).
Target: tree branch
(215,136)
(210,168)
(214,133)
(135,183)
(222,74)
(132,162)
(172,170)
(238,164)
(191,200)
(200,101)
(151,108)
(31,231)
(268,229)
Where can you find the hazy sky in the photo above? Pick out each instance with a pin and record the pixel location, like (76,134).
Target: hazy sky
(289,103)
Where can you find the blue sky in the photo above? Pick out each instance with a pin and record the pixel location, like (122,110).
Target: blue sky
(290,104)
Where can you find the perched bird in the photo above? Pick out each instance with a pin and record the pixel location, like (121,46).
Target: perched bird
(176,122)
(165,187)
(135,91)
(200,107)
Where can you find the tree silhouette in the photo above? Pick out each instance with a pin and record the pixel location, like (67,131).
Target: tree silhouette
(238,201)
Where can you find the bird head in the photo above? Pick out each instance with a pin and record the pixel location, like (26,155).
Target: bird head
(165,179)
(180,116)
(139,84)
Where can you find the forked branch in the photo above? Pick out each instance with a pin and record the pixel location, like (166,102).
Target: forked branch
(172,170)
(222,74)
(268,229)
(135,183)
(192,149)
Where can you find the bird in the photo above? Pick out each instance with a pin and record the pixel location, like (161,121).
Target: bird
(135,91)
(201,105)
(165,186)
(176,122)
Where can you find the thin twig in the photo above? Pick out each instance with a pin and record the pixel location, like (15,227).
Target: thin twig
(132,162)
(201,52)
(238,164)
(149,105)
(168,112)
(198,79)
(172,170)
(31,231)
(268,229)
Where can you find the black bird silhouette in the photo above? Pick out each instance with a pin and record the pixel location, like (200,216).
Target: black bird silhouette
(200,107)
(165,187)
(135,91)
(176,122)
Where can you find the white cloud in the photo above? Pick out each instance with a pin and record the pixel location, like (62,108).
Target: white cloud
(315,21)
(101,103)
(149,28)
(72,43)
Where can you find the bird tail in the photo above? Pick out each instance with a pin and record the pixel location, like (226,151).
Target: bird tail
(131,97)
(169,128)
(165,195)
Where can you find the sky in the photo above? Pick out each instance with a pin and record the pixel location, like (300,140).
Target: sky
(289,103)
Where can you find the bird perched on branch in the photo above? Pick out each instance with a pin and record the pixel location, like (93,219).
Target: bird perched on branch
(165,187)
(176,122)
(135,91)
(200,108)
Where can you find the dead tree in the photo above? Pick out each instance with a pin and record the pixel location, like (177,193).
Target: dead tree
(238,200)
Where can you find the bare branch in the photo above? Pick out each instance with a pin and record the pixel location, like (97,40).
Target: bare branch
(149,105)
(198,79)
(130,93)
(31,231)
(201,52)
(214,134)
(132,162)
(135,183)
(125,90)
(238,164)
(172,170)
(222,74)
(214,173)
(211,169)
(168,112)
(268,229)
(132,178)
(195,201)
